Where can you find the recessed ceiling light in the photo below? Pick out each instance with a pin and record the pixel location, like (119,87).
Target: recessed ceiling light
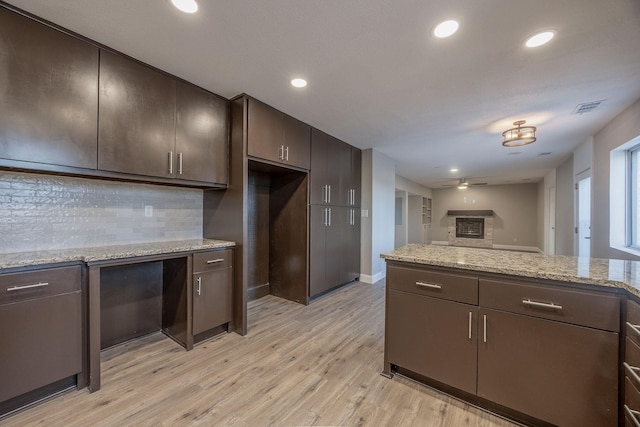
(453,170)
(539,39)
(446,29)
(298,82)
(187,6)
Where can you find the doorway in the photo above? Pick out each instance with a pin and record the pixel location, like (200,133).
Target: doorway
(583,214)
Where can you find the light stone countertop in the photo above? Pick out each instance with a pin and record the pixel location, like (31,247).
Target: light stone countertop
(593,271)
(105,253)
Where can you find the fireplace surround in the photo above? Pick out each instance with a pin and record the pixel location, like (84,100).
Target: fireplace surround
(472,228)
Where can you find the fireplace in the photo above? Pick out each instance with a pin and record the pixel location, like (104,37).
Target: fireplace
(471,228)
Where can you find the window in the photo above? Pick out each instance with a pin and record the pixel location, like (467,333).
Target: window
(633,214)
(624,197)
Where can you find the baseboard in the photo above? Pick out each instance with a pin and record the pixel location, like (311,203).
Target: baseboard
(518,248)
(365,278)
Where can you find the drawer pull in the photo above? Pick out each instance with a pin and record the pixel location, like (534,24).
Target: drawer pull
(634,328)
(470,321)
(35,285)
(484,321)
(199,289)
(632,371)
(214,261)
(633,415)
(541,304)
(429,285)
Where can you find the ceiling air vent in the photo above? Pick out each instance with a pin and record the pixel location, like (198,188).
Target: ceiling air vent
(587,107)
(546,153)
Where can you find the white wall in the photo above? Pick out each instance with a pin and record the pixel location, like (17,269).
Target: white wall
(414,192)
(620,130)
(378,206)
(401,218)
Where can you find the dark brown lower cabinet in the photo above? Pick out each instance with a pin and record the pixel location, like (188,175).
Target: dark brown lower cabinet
(212,284)
(334,235)
(40,329)
(539,352)
(433,337)
(563,374)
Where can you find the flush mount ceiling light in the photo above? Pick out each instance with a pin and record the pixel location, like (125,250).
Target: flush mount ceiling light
(453,170)
(539,39)
(446,29)
(463,184)
(519,135)
(298,83)
(186,6)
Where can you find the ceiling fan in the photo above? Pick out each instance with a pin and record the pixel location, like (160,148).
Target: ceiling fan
(464,183)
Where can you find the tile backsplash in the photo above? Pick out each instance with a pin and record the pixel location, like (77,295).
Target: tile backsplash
(41,212)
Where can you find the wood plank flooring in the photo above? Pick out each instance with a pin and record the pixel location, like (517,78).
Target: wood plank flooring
(298,366)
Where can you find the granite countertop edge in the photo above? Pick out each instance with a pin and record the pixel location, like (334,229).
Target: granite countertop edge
(106,253)
(598,273)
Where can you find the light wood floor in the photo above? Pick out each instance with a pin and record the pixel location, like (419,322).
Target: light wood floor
(298,366)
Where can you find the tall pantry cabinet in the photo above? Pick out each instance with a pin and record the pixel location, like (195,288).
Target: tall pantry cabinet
(334,231)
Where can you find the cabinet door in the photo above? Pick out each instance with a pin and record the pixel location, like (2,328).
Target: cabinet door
(338,171)
(353,244)
(318,179)
(355,181)
(317,250)
(335,252)
(211,299)
(136,129)
(201,135)
(40,343)
(265,133)
(48,94)
(297,142)
(560,373)
(433,337)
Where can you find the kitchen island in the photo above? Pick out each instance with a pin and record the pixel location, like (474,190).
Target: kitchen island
(543,340)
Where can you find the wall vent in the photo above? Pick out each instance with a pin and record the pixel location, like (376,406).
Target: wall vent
(587,107)
(545,153)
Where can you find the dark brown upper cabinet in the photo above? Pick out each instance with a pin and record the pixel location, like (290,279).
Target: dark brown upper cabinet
(153,125)
(277,137)
(48,95)
(136,132)
(202,123)
(332,171)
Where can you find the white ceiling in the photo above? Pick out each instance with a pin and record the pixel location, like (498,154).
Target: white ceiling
(378,79)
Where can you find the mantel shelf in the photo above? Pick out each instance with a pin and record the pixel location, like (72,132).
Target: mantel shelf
(470,213)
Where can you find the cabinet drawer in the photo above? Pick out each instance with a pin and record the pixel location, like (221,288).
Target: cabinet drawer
(212,260)
(18,287)
(440,285)
(548,302)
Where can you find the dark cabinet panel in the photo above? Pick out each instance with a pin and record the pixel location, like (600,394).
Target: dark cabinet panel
(317,250)
(136,132)
(40,330)
(201,135)
(274,136)
(355,184)
(48,95)
(560,373)
(318,177)
(211,299)
(212,289)
(433,337)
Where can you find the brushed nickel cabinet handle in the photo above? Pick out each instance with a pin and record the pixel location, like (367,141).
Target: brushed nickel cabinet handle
(179,163)
(328,193)
(329,216)
(199,289)
(213,261)
(429,285)
(170,162)
(470,322)
(485,327)
(35,285)
(541,304)
(286,158)
(633,415)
